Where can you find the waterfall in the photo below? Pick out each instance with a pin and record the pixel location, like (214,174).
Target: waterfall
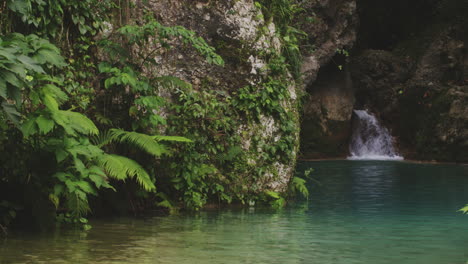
(370,140)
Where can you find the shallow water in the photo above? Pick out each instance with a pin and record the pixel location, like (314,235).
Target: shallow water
(358,212)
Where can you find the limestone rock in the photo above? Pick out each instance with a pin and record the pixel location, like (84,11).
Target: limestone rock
(238,32)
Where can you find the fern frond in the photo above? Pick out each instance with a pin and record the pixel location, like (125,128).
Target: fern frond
(45,124)
(299,185)
(102,138)
(121,168)
(142,141)
(55,92)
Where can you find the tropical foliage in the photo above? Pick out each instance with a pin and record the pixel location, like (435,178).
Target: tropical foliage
(464,209)
(49,132)
(81,121)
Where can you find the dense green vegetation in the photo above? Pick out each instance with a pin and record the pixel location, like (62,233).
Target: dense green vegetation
(81,122)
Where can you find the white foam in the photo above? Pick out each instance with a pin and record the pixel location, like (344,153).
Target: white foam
(375,157)
(370,140)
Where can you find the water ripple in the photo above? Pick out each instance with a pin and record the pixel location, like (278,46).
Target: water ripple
(358,212)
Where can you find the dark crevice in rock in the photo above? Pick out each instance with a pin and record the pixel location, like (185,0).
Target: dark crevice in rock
(383,24)
(326,125)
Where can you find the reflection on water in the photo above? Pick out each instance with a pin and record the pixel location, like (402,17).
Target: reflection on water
(359,212)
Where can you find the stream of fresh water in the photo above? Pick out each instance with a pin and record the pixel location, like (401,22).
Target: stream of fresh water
(370,140)
(359,212)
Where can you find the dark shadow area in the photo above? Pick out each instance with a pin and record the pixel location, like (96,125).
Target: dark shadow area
(385,23)
(325,126)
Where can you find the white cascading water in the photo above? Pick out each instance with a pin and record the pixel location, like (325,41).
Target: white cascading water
(371,141)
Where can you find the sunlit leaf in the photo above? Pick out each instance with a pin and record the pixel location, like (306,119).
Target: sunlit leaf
(45,124)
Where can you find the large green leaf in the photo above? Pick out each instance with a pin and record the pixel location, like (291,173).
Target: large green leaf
(172,138)
(50,102)
(30,64)
(22,7)
(77,202)
(80,166)
(61,154)
(9,53)
(45,124)
(3,89)
(63,121)
(29,127)
(49,56)
(55,92)
(10,78)
(17,69)
(16,95)
(89,151)
(464,209)
(86,187)
(73,122)
(99,177)
(80,123)
(19,41)
(11,112)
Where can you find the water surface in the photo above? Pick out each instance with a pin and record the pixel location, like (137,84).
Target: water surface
(358,212)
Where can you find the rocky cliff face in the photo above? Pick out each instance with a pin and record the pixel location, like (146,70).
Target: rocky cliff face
(247,43)
(333,28)
(329,102)
(415,83)
(423,101)
(418,85)
(408,66)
